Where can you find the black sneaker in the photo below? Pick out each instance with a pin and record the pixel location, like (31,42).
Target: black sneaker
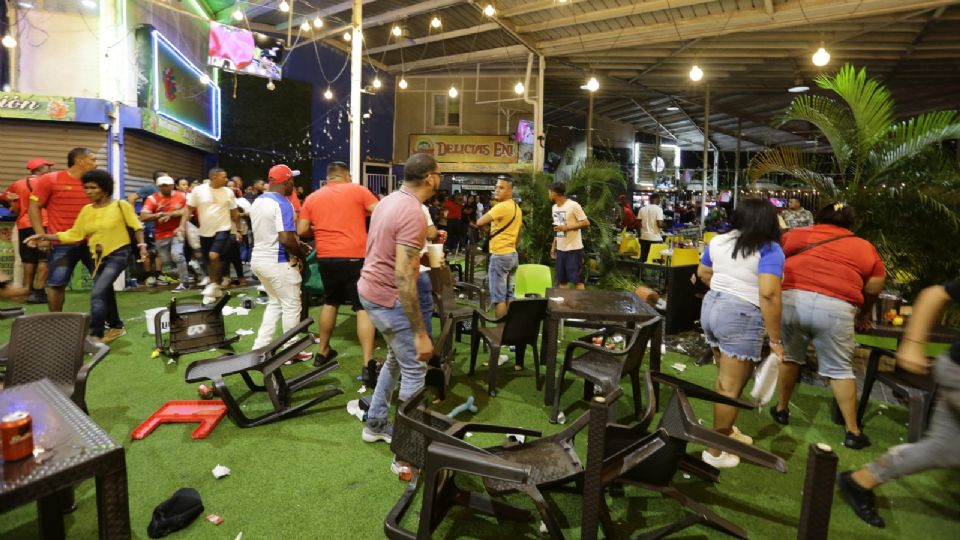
(322,359)
(856,442)
(863,501)
(780,417)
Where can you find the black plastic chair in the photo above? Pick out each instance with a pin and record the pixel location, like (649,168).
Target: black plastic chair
(269,361)
(520,328)
(604,367)
(680,426)
(53,346)
(918,390)
(193,328)
(445,301)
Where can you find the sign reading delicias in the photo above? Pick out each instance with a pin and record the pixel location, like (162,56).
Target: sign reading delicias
(466,148)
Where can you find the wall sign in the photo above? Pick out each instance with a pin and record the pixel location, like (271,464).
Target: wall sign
(466,149)
(37,107)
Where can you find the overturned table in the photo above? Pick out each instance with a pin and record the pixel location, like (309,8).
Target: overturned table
(594,306)
(74,448)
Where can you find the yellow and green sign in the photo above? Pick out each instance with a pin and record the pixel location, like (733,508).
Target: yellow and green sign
(37,107)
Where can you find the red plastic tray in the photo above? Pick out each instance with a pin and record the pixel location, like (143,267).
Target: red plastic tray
(207,413)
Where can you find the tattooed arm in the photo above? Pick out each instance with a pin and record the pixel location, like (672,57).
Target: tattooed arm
(406,272)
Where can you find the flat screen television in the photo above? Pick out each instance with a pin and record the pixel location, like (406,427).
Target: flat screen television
(779,203)
(525,133)
(242,51)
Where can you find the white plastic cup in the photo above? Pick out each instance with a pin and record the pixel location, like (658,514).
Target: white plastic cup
(435,255)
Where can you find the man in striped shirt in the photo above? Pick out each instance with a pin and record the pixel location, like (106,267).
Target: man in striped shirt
(61,194)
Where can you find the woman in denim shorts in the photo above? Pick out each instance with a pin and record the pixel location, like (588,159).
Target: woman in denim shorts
(831,280)
(743,269)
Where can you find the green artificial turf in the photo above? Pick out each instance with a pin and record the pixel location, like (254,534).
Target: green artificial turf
(312,477)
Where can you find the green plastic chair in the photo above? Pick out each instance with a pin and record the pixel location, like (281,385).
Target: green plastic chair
(312,283)
(532,280)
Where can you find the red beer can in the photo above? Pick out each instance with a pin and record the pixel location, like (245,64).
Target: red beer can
(16,435)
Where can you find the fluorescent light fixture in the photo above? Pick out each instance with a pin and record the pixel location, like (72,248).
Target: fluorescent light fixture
(673,107)
(798,89)
(157,38)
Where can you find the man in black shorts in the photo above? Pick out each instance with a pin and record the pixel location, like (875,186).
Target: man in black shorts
(34,261)
(337,214)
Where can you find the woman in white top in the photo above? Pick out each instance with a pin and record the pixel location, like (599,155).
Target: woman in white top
(743,269)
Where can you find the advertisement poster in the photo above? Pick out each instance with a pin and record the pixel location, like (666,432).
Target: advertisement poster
(168,129)
(37,107)
(466,149)
(242,51)
(181,91)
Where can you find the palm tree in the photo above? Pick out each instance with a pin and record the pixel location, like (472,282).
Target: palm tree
(896,174)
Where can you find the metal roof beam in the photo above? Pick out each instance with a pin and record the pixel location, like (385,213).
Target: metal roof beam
(401,43)
(632,9)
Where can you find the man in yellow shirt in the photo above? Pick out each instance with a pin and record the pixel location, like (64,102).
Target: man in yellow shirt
(506,218)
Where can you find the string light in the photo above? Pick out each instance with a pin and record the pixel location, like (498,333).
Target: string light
(238,14)
(347,36)
(402,84)
(397,31)
(518,89)
(284,6)
(376,82)
(696,73)
(489,11)
(435,22)
(592,85)
(271,86)
(821,57)
(204,79)
(305,27)
(327,94)
(317,22)
(9,41)
(453,93)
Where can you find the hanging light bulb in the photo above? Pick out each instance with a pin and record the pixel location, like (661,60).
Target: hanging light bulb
(284,6)
(435,22)
(376,82)
(271,86)
(9,41)
(237,15)
(397,31)
(696,73)
(592,85)
(821,57)
(347,36)
(204,79)
(518,89)
(317,22)
(489,11)
(453,93)
(327,94)
(402,84)
(305,27)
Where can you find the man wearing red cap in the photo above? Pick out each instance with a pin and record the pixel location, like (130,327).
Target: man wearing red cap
(62,194)
(337,214)
(34,261)
(277,255)
(216,207)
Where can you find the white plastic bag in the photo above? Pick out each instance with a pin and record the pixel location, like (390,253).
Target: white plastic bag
(766,379)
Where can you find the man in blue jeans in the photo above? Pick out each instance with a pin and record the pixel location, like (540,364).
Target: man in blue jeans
(388,290)
(505,219)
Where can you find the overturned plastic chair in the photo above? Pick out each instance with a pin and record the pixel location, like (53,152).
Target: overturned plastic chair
(269,361)
(193,328)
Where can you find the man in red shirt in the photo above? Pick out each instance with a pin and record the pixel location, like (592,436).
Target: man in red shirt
(629,221)
(34,261)
(337,214)
(454,208)
(61,193)
(165,208)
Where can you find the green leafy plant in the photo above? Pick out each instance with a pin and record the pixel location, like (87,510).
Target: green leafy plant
(894,173)
(537,233)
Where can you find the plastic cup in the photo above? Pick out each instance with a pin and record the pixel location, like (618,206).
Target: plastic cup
(435,255)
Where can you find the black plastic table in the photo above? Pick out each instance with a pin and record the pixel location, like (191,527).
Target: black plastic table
(593,306)
(75,448)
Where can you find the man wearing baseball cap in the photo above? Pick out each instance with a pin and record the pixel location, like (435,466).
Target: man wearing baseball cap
(337,214)
(277,255)
(165,209)
(17,197)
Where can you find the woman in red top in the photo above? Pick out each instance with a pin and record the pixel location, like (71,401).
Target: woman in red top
(831,280)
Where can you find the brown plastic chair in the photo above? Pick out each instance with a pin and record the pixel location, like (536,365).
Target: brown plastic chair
(520,328)
(604,367)
(919,391)
(193,328)
(53,346)
(269,361)
(680,425)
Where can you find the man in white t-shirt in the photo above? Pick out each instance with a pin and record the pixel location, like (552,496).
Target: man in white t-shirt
(651,219)
(277,255)
(568,221)
(216,208)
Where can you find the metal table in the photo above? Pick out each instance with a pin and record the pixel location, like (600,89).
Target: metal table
(75,448)
(594,306)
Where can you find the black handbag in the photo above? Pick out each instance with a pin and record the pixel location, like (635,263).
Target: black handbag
(175,513)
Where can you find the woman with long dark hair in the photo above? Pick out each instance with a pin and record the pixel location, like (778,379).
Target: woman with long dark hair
(830,282)
(104,225)
(743,269)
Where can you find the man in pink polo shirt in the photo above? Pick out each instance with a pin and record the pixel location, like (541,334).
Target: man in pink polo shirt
(388,290)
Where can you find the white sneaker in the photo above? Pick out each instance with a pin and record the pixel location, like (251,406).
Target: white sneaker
(204,282)
(503,359)
(207,300)
(738,436)
(723,461)
(212,289)
(151,281)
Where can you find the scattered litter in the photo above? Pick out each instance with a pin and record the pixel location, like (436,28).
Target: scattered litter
(220,471)
(242,311)
(362,389)
(513,437)
(556,298)
(215,519)
(884,406)
(241,295)
(155,353)
(561,418)
(686,476)
(663,348)
(353,409)
(227,310)
(543,527)
(170,361)
(468,434)
(679,367)
(244,332)
(463,407)
(239,536)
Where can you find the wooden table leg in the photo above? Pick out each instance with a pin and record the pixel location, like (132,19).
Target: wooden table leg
(50,517)
(550,332)
(113,510)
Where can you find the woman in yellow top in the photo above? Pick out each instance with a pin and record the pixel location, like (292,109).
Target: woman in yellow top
(103,224)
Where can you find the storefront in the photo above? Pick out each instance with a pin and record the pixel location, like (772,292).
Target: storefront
(470,163)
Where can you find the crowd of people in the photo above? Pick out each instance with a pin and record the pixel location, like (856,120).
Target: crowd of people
(777,282)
